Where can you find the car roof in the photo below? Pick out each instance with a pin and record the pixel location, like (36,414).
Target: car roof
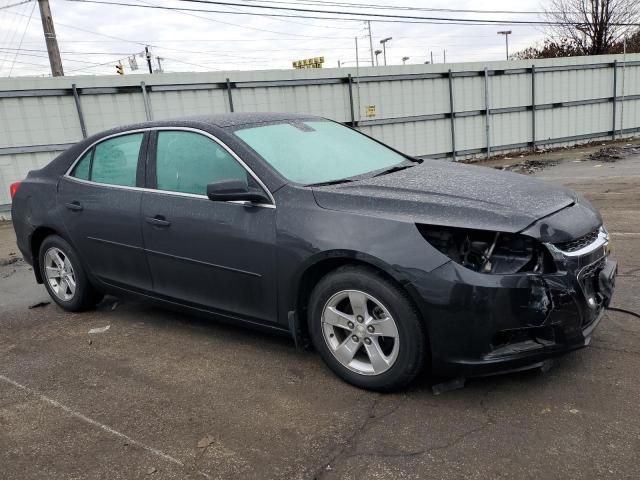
(224,120)
(217,121)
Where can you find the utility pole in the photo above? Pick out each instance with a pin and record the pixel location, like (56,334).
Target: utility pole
(50,38)
(444,56)
(357,56)
(370,41)
(159,64)
(431,57)
(506,34)
(148,55)
(339,64)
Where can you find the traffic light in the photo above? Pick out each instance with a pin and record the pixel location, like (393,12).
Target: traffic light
(120,69)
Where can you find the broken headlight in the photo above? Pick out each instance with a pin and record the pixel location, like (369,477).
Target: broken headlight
(489,252)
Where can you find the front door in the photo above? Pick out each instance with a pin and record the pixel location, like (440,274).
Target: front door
(218,255)
(100,205)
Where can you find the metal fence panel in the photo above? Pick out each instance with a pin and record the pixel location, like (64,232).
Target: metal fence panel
(102,112)
(408,107)
(470,133)
(174,104)
(566,122)
(510,90)
(574,85)
(38,121)
(415,138)
(511,128)
(468,93)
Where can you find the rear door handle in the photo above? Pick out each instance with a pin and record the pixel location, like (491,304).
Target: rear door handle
(75,206)
(158,221)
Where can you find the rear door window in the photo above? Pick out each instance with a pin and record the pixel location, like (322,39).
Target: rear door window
(186,162)
(115,161)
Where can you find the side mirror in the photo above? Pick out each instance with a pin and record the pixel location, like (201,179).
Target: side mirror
(234,190)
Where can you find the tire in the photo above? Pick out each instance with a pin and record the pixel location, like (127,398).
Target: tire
(55,252)
(380,362)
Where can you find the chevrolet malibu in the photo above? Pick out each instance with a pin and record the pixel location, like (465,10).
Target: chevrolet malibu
(387,264)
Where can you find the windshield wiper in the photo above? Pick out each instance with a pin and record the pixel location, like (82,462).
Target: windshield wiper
(397,168)
(330,182)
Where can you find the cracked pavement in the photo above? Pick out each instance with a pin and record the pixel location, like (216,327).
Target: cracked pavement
(162,394)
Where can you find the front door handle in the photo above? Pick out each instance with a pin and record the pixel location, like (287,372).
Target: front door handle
(158,221)
(75,206)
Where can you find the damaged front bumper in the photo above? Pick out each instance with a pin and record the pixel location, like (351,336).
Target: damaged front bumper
(481,324)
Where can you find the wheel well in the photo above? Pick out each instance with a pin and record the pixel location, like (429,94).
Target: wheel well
(37,238)
(312,276)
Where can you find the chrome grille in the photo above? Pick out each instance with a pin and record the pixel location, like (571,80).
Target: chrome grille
(578,243)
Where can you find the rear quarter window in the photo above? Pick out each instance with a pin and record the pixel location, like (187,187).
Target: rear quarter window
(82,168)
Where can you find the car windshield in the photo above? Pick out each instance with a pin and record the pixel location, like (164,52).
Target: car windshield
(318,151)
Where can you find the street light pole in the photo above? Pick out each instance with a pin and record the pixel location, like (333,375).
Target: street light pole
(377,52)
(384,48)
(506,34)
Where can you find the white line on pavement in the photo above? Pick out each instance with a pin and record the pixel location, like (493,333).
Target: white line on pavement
(95,423)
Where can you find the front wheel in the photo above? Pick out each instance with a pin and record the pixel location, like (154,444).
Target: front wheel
(64,277)
(366,329)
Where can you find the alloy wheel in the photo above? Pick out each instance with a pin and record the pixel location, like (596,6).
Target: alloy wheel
(360,332)
(59,273)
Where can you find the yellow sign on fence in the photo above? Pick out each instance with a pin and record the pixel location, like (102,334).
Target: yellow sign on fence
(315,62)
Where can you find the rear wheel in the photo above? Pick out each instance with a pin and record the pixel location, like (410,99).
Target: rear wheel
(64,276)
(366,329)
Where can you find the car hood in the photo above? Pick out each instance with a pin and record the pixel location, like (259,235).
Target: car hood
(450,194)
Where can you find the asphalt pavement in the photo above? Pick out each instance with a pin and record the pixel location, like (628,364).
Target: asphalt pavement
(165,395)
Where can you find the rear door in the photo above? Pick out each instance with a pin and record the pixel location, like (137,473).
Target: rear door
(220,255)
(100,199)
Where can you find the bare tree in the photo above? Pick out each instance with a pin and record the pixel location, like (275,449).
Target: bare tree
(593,26)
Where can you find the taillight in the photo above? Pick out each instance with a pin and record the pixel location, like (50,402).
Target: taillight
(13,189)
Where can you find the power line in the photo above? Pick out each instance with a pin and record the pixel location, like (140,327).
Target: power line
(33,64)
(153,5)
(26,27)
(12,31)
(67,51)
(312,25)
(407,17)
(68,60)
(377,6)
(87,31)
(311,13)
(15,4)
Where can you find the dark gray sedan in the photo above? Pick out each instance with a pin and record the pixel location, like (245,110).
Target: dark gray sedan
(386,263)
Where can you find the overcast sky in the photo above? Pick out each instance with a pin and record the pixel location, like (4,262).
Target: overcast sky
(91,34)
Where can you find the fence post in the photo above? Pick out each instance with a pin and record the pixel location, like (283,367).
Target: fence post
(145,100)
(487,113)
(353,115)
(533,107)
(615,93)
(229,95)
(453,119)
(76,97)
